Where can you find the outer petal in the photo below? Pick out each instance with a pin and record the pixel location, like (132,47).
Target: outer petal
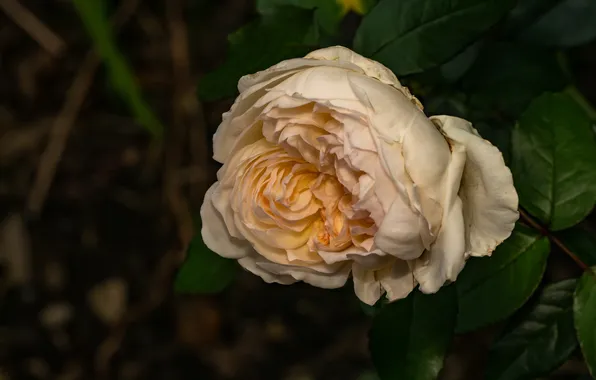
(399,234)
(292,65)
(397,280)
(371,68)
(307,274)
(215,233)
(426,155)
(366,286)
(446,257)
(369,260)
(249,263)
(489,198)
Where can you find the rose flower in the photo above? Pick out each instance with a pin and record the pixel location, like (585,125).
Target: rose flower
(331,168)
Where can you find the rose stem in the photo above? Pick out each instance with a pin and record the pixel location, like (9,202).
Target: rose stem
(544,231)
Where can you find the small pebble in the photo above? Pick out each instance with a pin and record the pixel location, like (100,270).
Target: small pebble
(38,368)
(61,340)
(73,371)
(56,315)
(298,373)
(130,156)
(4,374)
(54,276)
(108,300)
(276,330)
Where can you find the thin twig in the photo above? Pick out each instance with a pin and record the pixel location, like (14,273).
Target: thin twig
(59,133)
(544,231)
(190,108)
(181,69)
(64,121)
(23,17)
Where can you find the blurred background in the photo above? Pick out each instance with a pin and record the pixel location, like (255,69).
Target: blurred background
(96,214)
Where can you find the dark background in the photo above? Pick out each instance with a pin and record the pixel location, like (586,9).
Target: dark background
(86,282)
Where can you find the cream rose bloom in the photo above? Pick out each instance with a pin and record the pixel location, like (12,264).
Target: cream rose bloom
(330,167)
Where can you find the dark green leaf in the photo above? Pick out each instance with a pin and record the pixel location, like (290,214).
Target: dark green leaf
(554,161)
(375,309)
(584,307)
(525,13)
(569,23)
(492,288)
(506,77)
(410,36)
(288,33)
(581,242)
(409,338)
(370,375)
(271,6)
(454,69)
(328,14)
(541,341)
(204,271)
(448,103)
(93,14)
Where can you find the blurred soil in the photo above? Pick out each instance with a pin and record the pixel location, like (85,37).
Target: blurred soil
(86,266)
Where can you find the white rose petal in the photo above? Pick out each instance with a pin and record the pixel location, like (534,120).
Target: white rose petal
(215,233)
(366,286)
(489,198)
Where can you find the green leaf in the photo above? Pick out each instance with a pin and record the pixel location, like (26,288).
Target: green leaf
(288,33)
(94,17)
(447,103)
(204,271)
(272,6)
(540,341)
(375,309)
(585,377)
(569,23)
(409,338)
(328,13)
(584,307)
(506,77)
(554,161)
(525,13)
(581,242)
(410,36)
(455,68)
(369,375)
(492,288)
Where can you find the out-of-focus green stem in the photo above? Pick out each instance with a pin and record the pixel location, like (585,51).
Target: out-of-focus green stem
(94,17)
